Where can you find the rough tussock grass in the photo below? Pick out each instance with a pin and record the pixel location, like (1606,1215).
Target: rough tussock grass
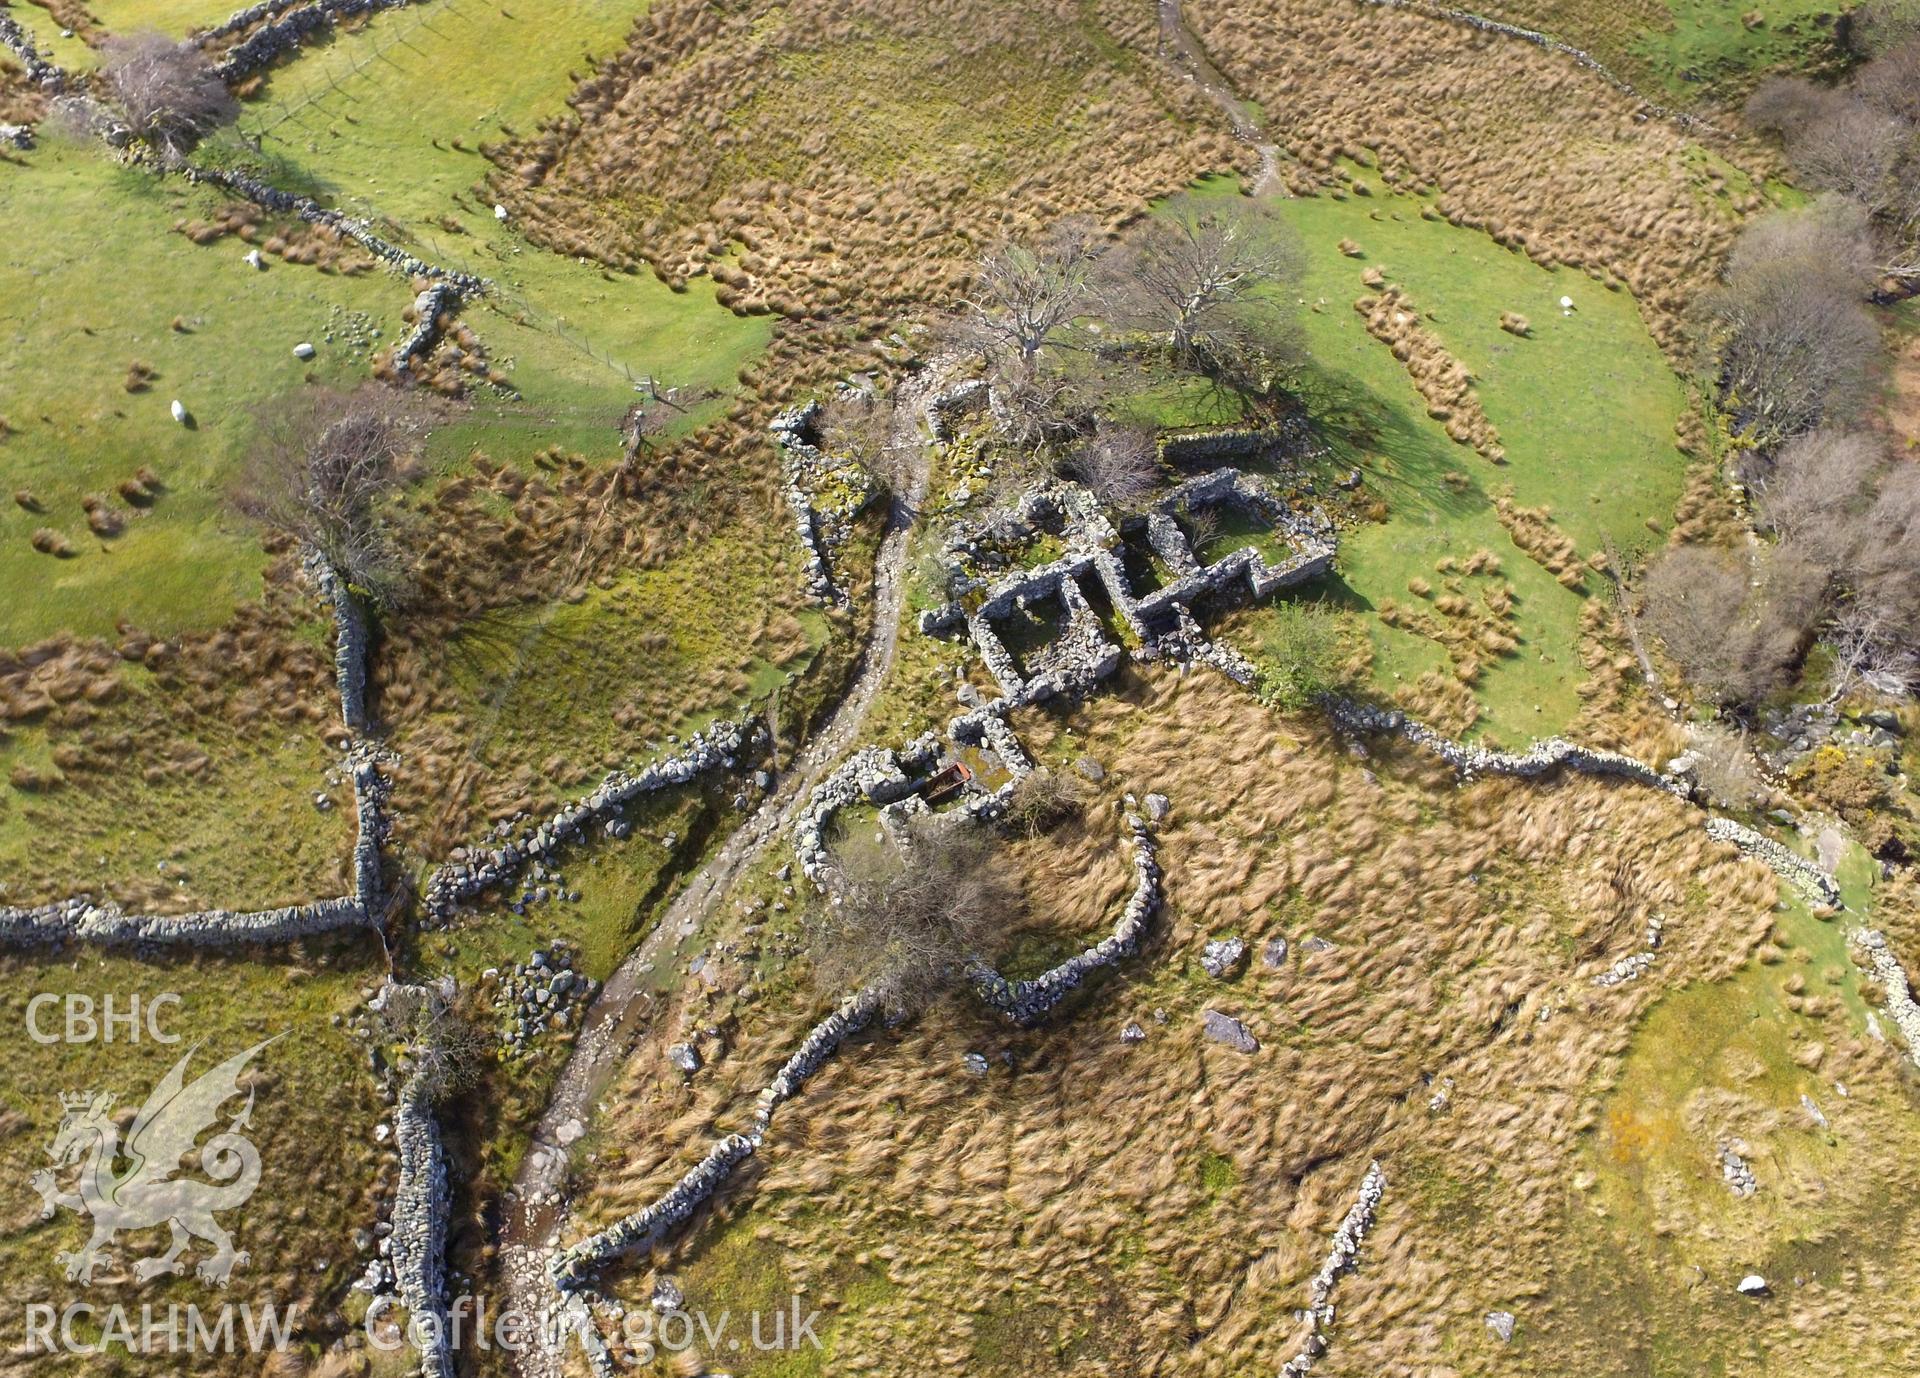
(1122,1208)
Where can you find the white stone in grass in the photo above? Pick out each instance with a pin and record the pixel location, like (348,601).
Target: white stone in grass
(1752,1285)
(303,350)
(253,260)
(499,212)
(179,410)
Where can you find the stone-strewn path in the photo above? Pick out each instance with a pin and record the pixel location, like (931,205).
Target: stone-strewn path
(536,1213)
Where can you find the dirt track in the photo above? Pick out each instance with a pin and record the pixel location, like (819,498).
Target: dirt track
(537,1211)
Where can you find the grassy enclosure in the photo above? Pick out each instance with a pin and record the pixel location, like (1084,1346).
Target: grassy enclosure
(94,282)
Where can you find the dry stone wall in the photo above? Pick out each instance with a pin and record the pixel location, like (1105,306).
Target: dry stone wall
(716,748)
(1342,1258)
(350,641)
(570,1268)
(1028,1002)
(1542,757)
(39,69)
(1550,43)
(420,1209)
(305,208)
(1886,967)
(285,33)
(1796,870)
(80,919)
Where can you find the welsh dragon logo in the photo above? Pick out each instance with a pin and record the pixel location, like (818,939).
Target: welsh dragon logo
(147,1193)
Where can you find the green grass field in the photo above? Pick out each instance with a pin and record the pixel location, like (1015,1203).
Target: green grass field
(373,126)
(91,280)
(1585,408)
(1687,51)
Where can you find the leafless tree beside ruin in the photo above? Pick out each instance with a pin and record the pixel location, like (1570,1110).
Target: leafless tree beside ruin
(859,426)
(1735,622)
(910,925)
(1119,463)
(324,469)
(1027,298)
(1205,278)
(448,1050)
(1022,315)
(166,92)
(1792,342)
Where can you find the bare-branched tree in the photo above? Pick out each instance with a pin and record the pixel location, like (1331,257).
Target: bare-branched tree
(1026,299)
(1023,317)
(1119,463)
(1792,341)
(1043,800)
(1878,26)
(448,1051)
(1204,278)
(1736,623)
(324,468)
(859,426)
(909,925)
(167,92)
(1725,767)
(1860,140)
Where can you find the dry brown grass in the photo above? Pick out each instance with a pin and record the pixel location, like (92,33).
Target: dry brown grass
(1542,155)
(292,240)
(1152,1209)
(1545,544)
(1442,380)
(860,156)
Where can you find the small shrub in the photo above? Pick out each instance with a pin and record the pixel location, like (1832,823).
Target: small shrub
(1306,655)
(50,542)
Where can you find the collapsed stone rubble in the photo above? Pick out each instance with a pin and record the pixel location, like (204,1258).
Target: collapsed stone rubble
(1735,1172)
(1633,966)
(1342,1257)
(824,494)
